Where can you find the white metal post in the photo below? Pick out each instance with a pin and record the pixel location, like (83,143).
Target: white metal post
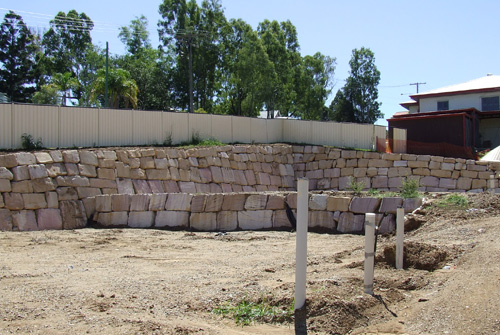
(369,251)
(400,231)
(301,242)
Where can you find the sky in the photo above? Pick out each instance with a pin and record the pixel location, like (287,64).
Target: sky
(438,43)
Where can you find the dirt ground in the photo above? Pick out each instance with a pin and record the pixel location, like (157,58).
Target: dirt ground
(133,281)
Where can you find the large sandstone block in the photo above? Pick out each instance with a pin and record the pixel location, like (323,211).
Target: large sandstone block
(37,171)
(256,202)
(104,173)
(67,193)
(87,170)
(57,156)
(233,202)
(56,169)
(34,201)
(364,205)
(25,158)
(137,173)
(227,221)
(280,219)
(87,192)
(380,182)
(73,181)
(73,214)
(141,219)
(72,169)
(203,221)
(275,202)
(71,156)
(25,221)
(448,183)
(5,185)
(125,186)
(179,202)
(464,183)
(49,219)
(8,161)
(317,202)
(120,202)
(88,158)
(390,205)
(103,203)
(158,201)
(214,202)
(171,186)
(253,220)
(5,173)
(198,203)
(411,204)
(139,202)
(172,219)
(5,220)
(387,223)
(20,173)
(429,181)
(187,187)
(43,185)
(112,219)
(89,204)
(107,163)
(156,186)
(321,219)
(338,204)
(122,170)
(350,223)
(141,186)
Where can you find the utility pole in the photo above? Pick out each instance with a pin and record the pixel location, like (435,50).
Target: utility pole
(418,85)
(106,80)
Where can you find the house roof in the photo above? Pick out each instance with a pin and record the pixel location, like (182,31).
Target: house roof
(483,84)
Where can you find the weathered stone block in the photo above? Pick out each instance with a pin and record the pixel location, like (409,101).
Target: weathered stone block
(390,205)
(24,158)
(120,202)
(72,169)
(56,169)
(103,183)
(478,183)
(5,185)
(87,192)
(5,220)
(139,202)
(448,183)
(107,163)
(214,202)
(125,186)
(338,204)
(216,174)
(321,219)
(73,214)
(88,158)
(464,183)
(5,173)
(233,202)
(141,186)
(227,221)
(141,219)
(49,219)
(103,203)
(122,170)
(317,202)
(113,219)
(203,221)
(147,163)
(19,173)
(34,201)
(350,223)
(25,186)
(73,181)
(256,202)
(8,161)
(280,219)
(156,186)
(253,220)
(57,156)
(87,170)
(172,219)
(71,156)
(380,182)
(387,224)
(43,185)
(157,202)
(364,205)
(25,221)
(104,173)
(179,202)
(429,181)
(187,186)
(276,201)
(411,204)
(395,183)
(171,186)
(157,174)
(67,193)
(441,173)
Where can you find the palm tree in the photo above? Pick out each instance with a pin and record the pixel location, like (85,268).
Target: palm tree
(65,82)
(121,87)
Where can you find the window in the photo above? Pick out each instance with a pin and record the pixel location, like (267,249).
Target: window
(443,105)
(490,104)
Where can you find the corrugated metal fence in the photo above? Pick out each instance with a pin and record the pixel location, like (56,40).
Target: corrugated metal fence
(65,127)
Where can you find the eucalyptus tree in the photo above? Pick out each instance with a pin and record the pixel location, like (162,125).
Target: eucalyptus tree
(17,58)
(357,100)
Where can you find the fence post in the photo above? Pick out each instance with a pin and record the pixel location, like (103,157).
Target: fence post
(301,242)
(369,252)
(400,230)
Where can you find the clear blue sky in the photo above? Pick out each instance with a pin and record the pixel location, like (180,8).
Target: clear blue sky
(440,43)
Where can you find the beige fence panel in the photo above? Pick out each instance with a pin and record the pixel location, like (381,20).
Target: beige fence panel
(6,126)
(115,127)
(322,132)
(241,130)
(296,131)
(222,128)
(274,130)
(147,127)
(399,140)
(78,127)
(200,125)
(176,127)
(258,130)
(37,121)
(380,132)
(358,136)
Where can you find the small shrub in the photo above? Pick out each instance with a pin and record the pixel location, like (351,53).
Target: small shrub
(167,142)
(355,186)
(29,143)
(409,188)
(453,201)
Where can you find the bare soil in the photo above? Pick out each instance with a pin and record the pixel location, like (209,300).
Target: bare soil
(134,281)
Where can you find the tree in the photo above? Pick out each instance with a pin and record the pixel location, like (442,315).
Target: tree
(122,90)
(136,35)
(17,63)
(357,100)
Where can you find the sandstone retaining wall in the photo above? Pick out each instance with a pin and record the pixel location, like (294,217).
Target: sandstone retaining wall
(53,186)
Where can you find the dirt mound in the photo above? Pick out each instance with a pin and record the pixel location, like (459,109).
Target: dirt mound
(420,256)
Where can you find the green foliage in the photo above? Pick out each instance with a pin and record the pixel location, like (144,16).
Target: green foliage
(409,188)
(197,141)
(47,95)
(357,100)
(29,143)
(136,35)
(355,186)
(122,89)
(453,201)
(247,312)
(17,58)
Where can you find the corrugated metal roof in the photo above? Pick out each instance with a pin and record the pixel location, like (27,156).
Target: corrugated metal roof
(483,83)
(492,156)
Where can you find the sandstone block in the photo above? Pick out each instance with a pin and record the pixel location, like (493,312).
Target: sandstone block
(103,203)
(113,219)
(71,156)
(56,169)
(187,187)
(67,193)
(344,183)
(141,219)
(19,173)
(34,201)
(171,186)
(122,170)
(280,219)
(73,181)
(429,181)
(421,172)
(57,156)
(380,182)
(8,161)
(72,169)
(25,221)
(147,163)
(276,201)
(478,183)
(73,214)
(172,219)
(156,186)
(103,183)
(106,154)
(448,166)
(390,205)
(253,220)
(49,219)
(338,204)
(233,202)
(107,163)
(387,224)
(37,171)
(469,174)
(411,204)
(198,203)
(6,174)
(24,158)
(202,188)
(5,185)
(256,202)
(52,199)
(216,174)
(184,175)
(87,192)
(203,221)
(88,158)
(179,202)
(364,205)
(379,163)
(321,219)
(125,186)
(448,183)
(120,202)
(89,204)
(227,221)
(104,173)
(205,175)
(157,202)
(350,223)
(214,202)
(441,173)
(317,202)
(228,175)
(263,179)
(43,185)
(417,164)
(134,163)
(141,186)
(158,174)
(464,183)
(5,220)
(87,170)
(395,183)
(400,163)
(139,202)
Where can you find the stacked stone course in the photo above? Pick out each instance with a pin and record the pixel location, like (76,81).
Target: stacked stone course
(55,189)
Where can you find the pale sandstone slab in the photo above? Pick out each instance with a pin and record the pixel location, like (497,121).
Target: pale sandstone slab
(49,219)
(34,201)
(25,221)
(390,205)
(43,185)
(187,186)
(87,170)
(172,219)
(73,214)
(73,181)
(253,220)
(233,202)
(5,185)
(280,219)
(8,161)
(104,173)
(203,221)
(88,158)
(113,219)
(122,170)
(179,202)
(317,202)
(198,203)
(227,221)
(364,205)
(67,193)
(256,202)
(387,224)
(6,174)
(156,186)
(141,186)
(25,158)
(157,202)
(5,220)
(275,202)
(103,203)
(350,223)
(19,173)
(321,219)
(71,156)
(103,183)
(171,186)
(56,169)
(87,192)
(72,169)
(141,219)
(57,156)
(338,204)
(89,204)
(125,186)
(214,202)
(139,202)
(120,202)
(429,181)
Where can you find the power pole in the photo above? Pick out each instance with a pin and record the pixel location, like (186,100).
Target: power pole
(418,85)
(106,80)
